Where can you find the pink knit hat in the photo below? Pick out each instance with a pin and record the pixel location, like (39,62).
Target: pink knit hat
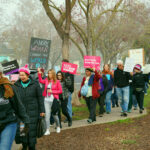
(138,67)
(25,69)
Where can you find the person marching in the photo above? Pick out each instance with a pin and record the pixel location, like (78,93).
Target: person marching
(109,75)
(64,96)
(11,109)
(89,89)
(51,98)
(32,99)
(139,80)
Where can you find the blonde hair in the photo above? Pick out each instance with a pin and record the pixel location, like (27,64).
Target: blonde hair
(54,78)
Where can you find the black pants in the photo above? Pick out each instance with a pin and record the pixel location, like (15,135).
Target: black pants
(25,146)
(101,102)
(140,98)
(64,109)
(91,104)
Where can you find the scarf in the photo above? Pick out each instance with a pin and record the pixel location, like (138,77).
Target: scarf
(7,86)
(25,84)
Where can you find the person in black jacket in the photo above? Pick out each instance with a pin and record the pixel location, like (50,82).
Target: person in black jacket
(32,99)
(69,77)
(11,109)
(64,96)
(139,80)
(121,82)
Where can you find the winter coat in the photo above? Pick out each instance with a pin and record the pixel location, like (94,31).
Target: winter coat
(95,85)
(56,87)
(70,77)
(32,99)
(12,108)
(139,80)
(121,78)
(65,92)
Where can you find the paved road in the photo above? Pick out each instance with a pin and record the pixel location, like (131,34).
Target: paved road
(114,116)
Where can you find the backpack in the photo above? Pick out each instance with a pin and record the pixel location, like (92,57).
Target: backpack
(84,89)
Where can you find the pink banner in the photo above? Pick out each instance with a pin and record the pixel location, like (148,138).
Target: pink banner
(14,77)
(92,62)
(68,67)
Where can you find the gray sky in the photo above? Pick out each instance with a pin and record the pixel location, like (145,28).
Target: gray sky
(8,7)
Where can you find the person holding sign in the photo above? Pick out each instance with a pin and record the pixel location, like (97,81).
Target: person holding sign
(51,97)
(32,99)
(109,76)
(121,81)
(11,109)
(139,80)
(89,90)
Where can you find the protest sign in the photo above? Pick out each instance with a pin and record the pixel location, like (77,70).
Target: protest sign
(146,69)
(137,55)
(39,53)
(92,62)
(68,67)
(129,64)
(10,67)
(14,77)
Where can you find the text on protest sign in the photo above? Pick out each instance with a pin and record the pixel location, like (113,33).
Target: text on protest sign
(68,67)
(14,77)
(92,62)
(129,64)
(137,55)
(10,67)
(39,53)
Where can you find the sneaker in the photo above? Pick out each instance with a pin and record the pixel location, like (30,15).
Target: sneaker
(107,112)
(129,111)
(89,120)
(100,115)
(141,111)
(125,114)
(58,130)
(47,132)
(70,123)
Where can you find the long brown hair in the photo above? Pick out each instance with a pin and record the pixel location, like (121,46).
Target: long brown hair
(53,75)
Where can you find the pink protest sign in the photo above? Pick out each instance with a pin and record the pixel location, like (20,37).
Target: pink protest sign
(68,67)
(14,77)
(92,62)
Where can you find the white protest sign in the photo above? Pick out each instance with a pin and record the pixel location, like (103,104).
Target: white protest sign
(146,69)
(129,64)
(137,55)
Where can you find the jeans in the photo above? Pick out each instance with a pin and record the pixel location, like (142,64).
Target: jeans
(101,102)
(91,104)
(69,105)
(123,95)
(108,101)
(7,136)
(114,98)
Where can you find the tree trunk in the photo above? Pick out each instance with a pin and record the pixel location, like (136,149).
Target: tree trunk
(65,47)
(75,98)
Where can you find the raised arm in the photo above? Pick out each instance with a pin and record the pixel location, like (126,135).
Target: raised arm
(40,78)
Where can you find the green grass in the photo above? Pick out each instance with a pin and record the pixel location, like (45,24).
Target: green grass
(107,129)
(81,112)
(128,142)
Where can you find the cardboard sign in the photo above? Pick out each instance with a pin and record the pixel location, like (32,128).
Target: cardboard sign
(137,55)
(68,67)
(10,67)
(92,62)
(146,69)
(14,77)
(39,53)
(129,64)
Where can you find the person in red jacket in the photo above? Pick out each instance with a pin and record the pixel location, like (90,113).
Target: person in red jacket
(89,89)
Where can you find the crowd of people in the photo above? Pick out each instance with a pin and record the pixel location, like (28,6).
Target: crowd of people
(22,102)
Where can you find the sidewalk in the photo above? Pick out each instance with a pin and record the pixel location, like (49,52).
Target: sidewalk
(114,116)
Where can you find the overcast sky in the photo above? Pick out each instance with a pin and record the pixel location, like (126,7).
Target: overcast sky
(8,7)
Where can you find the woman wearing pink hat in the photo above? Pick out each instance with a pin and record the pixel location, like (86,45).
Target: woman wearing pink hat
(31,96)
(139,80)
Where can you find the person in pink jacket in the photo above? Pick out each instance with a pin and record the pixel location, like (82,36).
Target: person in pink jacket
(51,98)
